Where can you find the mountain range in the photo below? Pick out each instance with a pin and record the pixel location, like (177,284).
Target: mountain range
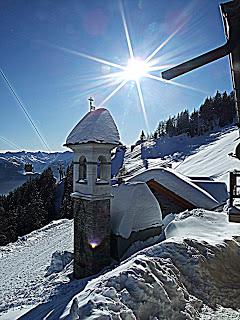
(12,164)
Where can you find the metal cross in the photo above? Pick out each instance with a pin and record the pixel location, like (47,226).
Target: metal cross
(91,103)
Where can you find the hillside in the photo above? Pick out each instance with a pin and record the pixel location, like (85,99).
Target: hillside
(205,155)
(213,159)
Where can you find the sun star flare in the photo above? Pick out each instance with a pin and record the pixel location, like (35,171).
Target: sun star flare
(136,69)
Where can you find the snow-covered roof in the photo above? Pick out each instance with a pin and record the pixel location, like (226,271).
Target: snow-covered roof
(133,208)
(96,126)
(216,188)
(178,184)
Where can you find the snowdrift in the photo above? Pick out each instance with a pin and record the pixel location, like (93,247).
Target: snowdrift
(170,280)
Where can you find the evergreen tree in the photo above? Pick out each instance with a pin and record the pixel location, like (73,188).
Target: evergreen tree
(29,207)
(47,188)
(170,127)
(142,136)
(66,209)
(214,112)
(194,123)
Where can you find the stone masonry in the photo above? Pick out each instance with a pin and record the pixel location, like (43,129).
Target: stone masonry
(91,236)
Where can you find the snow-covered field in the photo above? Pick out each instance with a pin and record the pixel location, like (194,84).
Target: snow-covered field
(193,273)
(23,267)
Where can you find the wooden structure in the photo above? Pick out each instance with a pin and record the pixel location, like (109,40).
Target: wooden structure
(234,177)
(168,200)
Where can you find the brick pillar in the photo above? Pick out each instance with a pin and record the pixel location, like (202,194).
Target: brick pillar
(91,236)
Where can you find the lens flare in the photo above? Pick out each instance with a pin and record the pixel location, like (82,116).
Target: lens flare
(135,69)
(93,244)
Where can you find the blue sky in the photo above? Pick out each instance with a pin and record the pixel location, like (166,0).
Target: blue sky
(54,84)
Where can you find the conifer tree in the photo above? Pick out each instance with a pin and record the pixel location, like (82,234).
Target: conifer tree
(142,136)
(66,210)
(29,207)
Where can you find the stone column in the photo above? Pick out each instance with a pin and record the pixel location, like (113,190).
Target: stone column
(91,236)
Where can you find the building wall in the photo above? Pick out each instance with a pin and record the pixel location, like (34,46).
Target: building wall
(91,236)
(92,151)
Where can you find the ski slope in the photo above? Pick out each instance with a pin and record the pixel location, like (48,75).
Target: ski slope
(213,159)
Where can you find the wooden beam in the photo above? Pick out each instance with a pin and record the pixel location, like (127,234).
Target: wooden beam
(152,184)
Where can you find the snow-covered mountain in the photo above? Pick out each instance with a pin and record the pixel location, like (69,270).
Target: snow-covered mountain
(206,155)
(193,274)
(12,166)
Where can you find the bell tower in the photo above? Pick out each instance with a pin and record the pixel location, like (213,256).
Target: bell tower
(92,140)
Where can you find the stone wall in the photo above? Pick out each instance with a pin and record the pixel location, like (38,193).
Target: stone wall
(91,236)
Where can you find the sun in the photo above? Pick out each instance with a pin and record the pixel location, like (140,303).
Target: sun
(136,69)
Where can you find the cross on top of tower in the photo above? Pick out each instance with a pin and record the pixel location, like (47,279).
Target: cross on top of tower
(92,108)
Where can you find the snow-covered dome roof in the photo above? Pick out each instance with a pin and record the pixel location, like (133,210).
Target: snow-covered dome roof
(96,126)
(133,208)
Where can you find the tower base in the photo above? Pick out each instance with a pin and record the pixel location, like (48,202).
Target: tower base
(91,236)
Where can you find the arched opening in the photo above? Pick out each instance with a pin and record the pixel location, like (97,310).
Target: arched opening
(82,170)
(102,173)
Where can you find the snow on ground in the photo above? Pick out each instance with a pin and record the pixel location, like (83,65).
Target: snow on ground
(212,159)
(134,164)
(197,265)
(205,155)
(210,226)
(24,266)
(173,279)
